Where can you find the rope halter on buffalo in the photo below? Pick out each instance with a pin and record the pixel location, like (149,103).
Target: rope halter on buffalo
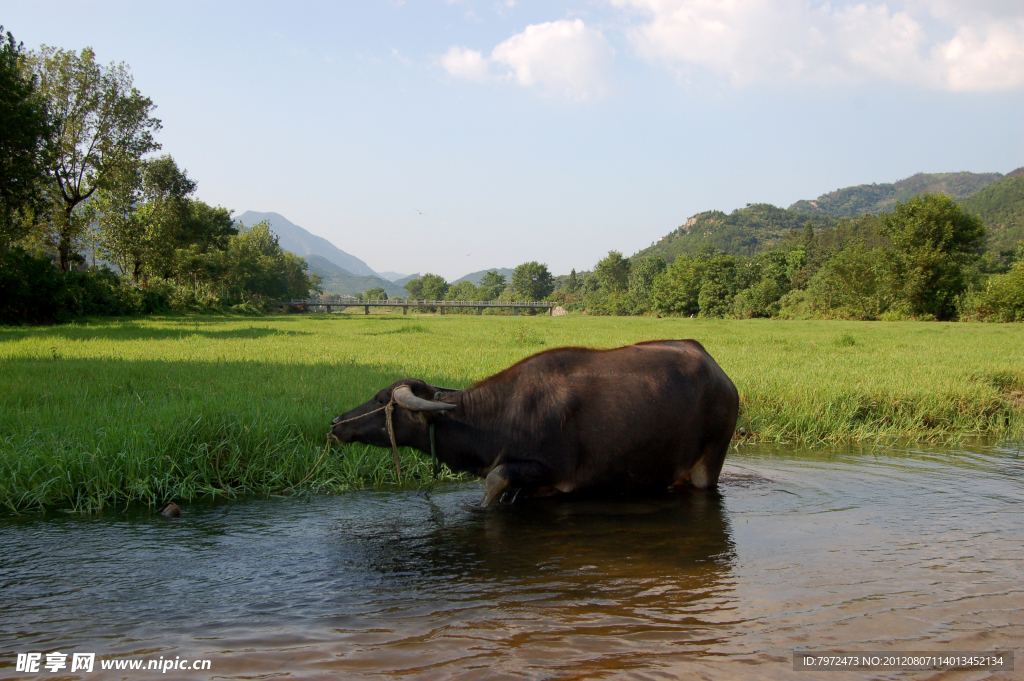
(402,395)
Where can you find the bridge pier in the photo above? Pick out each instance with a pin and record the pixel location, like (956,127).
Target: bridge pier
(479,310)
(367,308)
(405,309)
(442,309)
(328,309)
(515,311)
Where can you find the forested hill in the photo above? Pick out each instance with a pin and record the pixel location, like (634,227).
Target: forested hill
(341,281)
(872,199)
(1001,207)
(745,231)
(304,243)
(997,199)
(475,277)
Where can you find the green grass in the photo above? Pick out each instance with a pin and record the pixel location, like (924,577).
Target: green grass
(105,413)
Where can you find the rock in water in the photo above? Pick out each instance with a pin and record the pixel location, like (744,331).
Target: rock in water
(170,510)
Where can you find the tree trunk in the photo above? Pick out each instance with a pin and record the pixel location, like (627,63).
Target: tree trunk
(64,251)
(64,245)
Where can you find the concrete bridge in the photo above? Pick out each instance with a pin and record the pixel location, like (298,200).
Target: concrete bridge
(305,305)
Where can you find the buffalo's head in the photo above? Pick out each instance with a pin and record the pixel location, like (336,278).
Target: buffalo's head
(413,404)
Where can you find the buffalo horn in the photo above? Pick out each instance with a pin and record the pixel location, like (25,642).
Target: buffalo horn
(404,397)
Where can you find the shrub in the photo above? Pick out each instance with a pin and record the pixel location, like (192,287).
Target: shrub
(1002,299)
(33,291)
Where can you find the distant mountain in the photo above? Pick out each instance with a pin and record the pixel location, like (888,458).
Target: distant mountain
(997,199)
(745,231)
(872,199)
(341,281)
(300,242)
(1001,207)
(405,280)
(475,277)
(394,276)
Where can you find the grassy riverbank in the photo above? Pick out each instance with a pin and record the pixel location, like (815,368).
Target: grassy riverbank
(108,412)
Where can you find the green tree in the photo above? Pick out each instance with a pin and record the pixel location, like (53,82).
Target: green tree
(165,213)
(257,267)
(1002,298)
(641,278)
(255,263)
(199,267)
(720,285)
(933,243)
(762,281)
(299,282)
(146,220)
(376,293)
(427,287)
(434,286)
(415,289)
(677,289)
(23,135)
(491,285)
(211,227)
(464,290)
(100,122)
(807,240)
(853,283)
(613,273)
(122,235)
(532,281)
(572,285)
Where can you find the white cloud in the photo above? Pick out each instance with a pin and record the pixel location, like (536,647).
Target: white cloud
(463,62)
(995,62)
(758,40)
(405,61)
(563,58)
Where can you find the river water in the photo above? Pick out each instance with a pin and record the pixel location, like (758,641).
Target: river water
(864,549)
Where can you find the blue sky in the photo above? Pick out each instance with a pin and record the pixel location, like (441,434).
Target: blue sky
(552,131)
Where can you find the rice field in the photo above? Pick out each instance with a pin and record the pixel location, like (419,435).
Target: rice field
(104,413)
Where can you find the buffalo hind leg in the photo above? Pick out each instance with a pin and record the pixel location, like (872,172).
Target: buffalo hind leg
(513,475)
(704,473)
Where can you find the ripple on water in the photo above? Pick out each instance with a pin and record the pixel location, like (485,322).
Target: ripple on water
(871,549)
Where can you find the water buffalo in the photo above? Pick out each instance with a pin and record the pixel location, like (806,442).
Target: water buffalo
(631,420)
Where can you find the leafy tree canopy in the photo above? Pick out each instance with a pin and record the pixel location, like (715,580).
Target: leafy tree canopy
(933,241)
(613,273)
(491,285)
(100,123)
(532,281)
(464,290)
(427,287)
(23,135)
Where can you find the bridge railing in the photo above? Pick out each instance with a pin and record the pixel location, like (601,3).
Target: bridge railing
(413,301)
(304,304)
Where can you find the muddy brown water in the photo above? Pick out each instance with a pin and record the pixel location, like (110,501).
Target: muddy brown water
(868,549)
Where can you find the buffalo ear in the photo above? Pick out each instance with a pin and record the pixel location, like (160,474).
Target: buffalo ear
(404,397)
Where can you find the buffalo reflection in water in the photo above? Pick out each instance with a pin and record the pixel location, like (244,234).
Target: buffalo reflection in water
(680,542)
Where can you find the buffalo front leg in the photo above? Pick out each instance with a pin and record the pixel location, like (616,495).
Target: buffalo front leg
(496,484)
(516,474)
